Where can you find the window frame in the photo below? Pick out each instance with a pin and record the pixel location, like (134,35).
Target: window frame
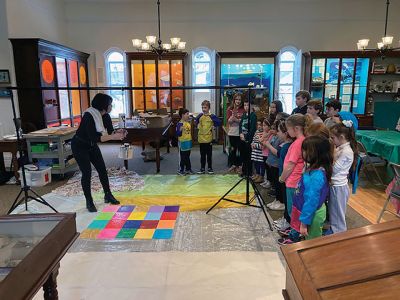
(107,54)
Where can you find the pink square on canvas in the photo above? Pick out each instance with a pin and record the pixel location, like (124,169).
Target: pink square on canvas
(115,224)
(121,215)
(111,208)
(108,234)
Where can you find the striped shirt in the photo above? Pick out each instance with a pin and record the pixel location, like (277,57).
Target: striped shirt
(257,147)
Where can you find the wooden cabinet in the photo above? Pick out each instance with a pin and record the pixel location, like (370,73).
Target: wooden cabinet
(362,263)
(148,70)
(40,63)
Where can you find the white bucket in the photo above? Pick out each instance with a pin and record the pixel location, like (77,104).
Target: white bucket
(125,151)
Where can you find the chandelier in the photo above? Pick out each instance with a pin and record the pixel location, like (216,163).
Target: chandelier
(387,40)
(160,48)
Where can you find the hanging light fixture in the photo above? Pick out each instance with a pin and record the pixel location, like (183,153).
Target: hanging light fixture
(159,48)
(387,40)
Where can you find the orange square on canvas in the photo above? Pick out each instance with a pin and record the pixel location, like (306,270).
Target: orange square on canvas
(166,224)
(144,234)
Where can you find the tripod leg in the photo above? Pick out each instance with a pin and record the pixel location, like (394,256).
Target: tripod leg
(261,202)
(41,200)
(220,199)
(16,202)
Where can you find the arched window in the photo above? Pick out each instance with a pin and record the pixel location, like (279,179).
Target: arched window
(115,69)
(203,74)
(288,81)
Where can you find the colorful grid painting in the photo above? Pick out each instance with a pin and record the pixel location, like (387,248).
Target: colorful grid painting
(133,222)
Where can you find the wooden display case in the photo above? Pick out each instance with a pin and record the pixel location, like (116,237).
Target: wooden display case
(146,69)
(31,247)
(40,63)
(362,263)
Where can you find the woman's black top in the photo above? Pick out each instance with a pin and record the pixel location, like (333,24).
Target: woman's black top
(87,132)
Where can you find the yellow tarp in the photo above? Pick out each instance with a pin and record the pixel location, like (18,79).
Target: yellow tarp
(196,192)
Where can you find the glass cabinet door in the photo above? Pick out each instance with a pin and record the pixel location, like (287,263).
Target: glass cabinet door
(331,79)
(50,99)
(74,82)
(346,82)
(164,80)
(150,81)
(317,79)
(65,109)
(137,81)
(177,80)
(360,85)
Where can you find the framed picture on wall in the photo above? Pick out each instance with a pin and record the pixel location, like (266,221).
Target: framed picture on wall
(4,76)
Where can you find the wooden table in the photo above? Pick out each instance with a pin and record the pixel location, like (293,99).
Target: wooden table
(147,135)
(38,267)
(12,147)
(362,263)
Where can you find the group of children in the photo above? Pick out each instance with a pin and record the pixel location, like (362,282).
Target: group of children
(304,161)
(307,164)
(205,123)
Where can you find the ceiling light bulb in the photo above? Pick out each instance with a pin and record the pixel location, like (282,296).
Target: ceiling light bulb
(387,40)
(136,43)
(175,41)
(145,46)
(380,45)
(359,47)
(364,43)
(181,45)
(151,39)
(166,46)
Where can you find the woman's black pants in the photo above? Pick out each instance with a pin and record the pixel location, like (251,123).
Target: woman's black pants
(84,155)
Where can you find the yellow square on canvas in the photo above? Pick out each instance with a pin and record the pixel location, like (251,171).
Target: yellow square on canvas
(89,233)
(137,215)
(144,234)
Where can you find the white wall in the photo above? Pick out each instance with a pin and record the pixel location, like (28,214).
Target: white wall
(26,19)
(6,126)
(252,25)
(37,19)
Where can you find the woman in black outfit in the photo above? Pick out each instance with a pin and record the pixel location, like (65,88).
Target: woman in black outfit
(95,127)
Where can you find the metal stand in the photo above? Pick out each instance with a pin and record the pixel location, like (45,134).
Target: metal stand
(249,181)
(25,189)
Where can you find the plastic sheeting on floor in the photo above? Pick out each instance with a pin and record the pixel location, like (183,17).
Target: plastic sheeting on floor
(195,192)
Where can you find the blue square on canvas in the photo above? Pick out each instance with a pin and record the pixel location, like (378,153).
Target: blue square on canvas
(153,216)
(163,234)
(132,224)
(126,208)
(171,209)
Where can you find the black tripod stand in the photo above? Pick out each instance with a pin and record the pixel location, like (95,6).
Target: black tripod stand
(25,189)
(249,182)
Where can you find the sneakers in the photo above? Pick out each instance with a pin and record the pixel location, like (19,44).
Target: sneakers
(277,206)
(201,171)
(189,172)
(285,241)
(232,169)
(210,171)
(272,203)
(281,224)
(284,232)
(181,172)
(266,184)
(258,179)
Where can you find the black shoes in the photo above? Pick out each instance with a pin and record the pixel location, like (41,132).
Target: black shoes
(109,198)
(90,206)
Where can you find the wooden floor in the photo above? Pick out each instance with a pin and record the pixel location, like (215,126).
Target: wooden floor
(369,201)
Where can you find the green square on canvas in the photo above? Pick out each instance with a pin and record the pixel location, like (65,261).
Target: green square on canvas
(98,224)
(105,216)
(126,233)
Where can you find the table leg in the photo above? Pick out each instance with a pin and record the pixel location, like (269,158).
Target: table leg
(126,164)
(2,166)
(50,286)
(15,166)
(158,156)
(143,146)
(168,143)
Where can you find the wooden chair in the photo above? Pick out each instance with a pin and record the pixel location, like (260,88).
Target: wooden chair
(370,161)
(394,193)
